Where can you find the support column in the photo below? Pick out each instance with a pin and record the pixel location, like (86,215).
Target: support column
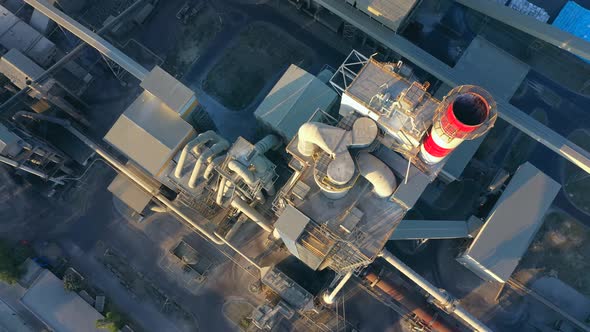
(329,297)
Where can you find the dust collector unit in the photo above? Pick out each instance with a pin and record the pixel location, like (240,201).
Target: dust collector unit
(466,113)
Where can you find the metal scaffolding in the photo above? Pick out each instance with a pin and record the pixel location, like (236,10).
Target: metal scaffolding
(452,77)
(91,38)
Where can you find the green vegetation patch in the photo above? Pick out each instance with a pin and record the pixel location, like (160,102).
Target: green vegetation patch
(260,52)
(9,265)
(577,181)
(561,249)
(112,322)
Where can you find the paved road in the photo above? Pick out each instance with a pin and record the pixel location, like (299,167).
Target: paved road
(11,295)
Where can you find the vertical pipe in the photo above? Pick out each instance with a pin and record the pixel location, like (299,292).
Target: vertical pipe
(441,296)
(329,297)
(205,157)
(201,139)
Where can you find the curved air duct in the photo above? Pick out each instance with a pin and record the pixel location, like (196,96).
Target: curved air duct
(245,174)
(242,171)
(209,169)
(323,136)
(335,141)
(206,157)
(267,143)
(251,213)
(377,173)
(201,139)
(260,163)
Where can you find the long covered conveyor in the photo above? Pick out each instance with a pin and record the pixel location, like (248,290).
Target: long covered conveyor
(453,77)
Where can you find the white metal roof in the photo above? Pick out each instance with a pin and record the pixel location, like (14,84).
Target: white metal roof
(14,33)
(293,100)
(169,90)
(511,225)
(487,65)
(60,310)
(149,133)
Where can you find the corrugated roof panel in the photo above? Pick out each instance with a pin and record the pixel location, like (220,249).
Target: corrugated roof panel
(512,224)
(492,68)
(574,19)
(168,89)
(291,222)
(14,33)
(128,192)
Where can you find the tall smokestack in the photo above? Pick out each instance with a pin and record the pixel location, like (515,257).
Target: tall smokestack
(466,112)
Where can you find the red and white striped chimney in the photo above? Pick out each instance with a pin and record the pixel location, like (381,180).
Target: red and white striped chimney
(466,112)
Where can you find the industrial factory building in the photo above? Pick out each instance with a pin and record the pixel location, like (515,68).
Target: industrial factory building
(333,172)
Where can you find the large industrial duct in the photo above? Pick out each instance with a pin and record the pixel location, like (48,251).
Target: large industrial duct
(336,141)
(201,139)
(206,157)
(251,213)
(247,176)
(267,143)
(424,314)
(441,297)
(377,173)
(326,137)
(242,171)
(329,297)
(216,162)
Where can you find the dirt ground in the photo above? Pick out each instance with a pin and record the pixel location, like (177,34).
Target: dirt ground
(140,286)
(193,40)
(247,66)
(577,182)
(238,312)
(561,249)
